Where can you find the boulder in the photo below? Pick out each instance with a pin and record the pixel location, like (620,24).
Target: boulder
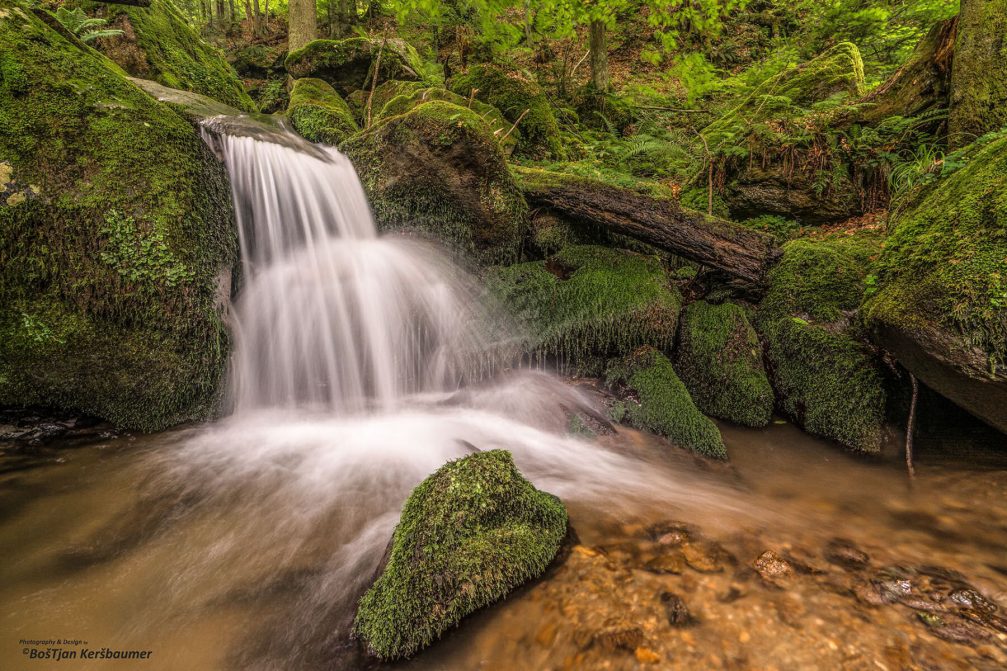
(438,170)
(469,535)
(347,64)
(318,113)
(117,239)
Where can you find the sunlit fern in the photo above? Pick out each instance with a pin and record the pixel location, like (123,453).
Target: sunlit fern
(84,27)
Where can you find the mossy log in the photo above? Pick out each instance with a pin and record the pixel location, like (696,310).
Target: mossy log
(742,254)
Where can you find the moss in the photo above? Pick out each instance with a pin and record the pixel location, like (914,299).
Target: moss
(978,72)
(469,534)
(172,53)
(587,302)
(347,64)
(464,195)
(514,93)
(719,358)
(660,403)
(825,375)
(109,266)
(318,113)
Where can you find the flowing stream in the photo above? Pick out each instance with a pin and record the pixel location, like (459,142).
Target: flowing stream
(362,364)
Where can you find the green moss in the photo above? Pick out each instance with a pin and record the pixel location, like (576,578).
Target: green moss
(514,94)
(318,113)
(464,195)
(469,534)
(587,302)
(347,64)
(173,54)
(660,403)
(719,358)
(825,375)
(979,72)
(110,263)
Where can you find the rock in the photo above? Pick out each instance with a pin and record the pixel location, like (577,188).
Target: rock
(318,113)
(705,556)
(348,64)
(941,304)
(469,534)
(588,303)
(464,195)
(844,553)
(646,656)
(796,194)
(660,403)
(668,562)
(826,377)
(518,96)
(117,259)
(159,44)
(618,636)
(719,358)
(676,610)
(772,568)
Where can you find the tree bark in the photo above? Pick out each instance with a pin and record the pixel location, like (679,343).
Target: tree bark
(599,57)
(979,72)
(302,23)
(744,255)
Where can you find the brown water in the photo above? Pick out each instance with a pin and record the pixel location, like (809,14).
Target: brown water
(101,546)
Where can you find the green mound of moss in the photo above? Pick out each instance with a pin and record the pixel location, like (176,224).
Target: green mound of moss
(318,113)
(825,375)
(515,94)
(117,239)
(587,302)
(160,44)
(660,403)
(463,194)
(469,534)
(719,358)
(347,64)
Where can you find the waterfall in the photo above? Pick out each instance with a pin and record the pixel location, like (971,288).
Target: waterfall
(329,314)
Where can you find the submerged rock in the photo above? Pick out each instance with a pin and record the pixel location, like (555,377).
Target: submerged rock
(469,534)
(348,64)
(661,404)
(117,239)
(438,169)
(719,358)
(318,113)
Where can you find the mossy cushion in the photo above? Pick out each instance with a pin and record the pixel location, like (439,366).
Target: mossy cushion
(469,534)
(318,113)
(347,64)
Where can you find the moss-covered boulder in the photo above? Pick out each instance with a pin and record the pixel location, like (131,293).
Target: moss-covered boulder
(158,43)
(825,375)
(347,64)
(518,96)
(318,113)
(658,401)
(941,308)
(469,534)
(719,358)
(438,170)
(586,303)
(117,239)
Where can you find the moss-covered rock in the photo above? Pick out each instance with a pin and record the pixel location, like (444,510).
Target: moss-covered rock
(117,239)
(318,113)
(515,94)
(825,376)
(659,402)
(469,534)
(941,307)
(438,169)
(158,43)
(719,358)
(347,64)
(587,302)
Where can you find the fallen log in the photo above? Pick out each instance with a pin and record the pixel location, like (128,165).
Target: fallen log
(742,254)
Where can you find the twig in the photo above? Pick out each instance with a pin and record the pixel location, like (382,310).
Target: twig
(582,59)
(374,80)
(472,96)
(911,427)
(515,125)
(709,174)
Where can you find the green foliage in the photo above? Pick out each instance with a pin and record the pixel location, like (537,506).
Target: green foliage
(660,403)
(781,228)
(86,28)
(318,113)
(469,534)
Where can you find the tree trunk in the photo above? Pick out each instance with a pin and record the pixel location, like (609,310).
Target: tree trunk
(233,15)
(302,23)
(257,23)
(599,57)
(979,72)
(742,254)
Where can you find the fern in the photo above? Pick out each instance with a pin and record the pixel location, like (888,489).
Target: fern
(85,28)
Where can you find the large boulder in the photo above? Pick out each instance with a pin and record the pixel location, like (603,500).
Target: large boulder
(437,169)
(117,239)
(825,375)
(318,113)
(586,304)
(348,64)
(719,358)
(159,44)
(941,308)
(469,534)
